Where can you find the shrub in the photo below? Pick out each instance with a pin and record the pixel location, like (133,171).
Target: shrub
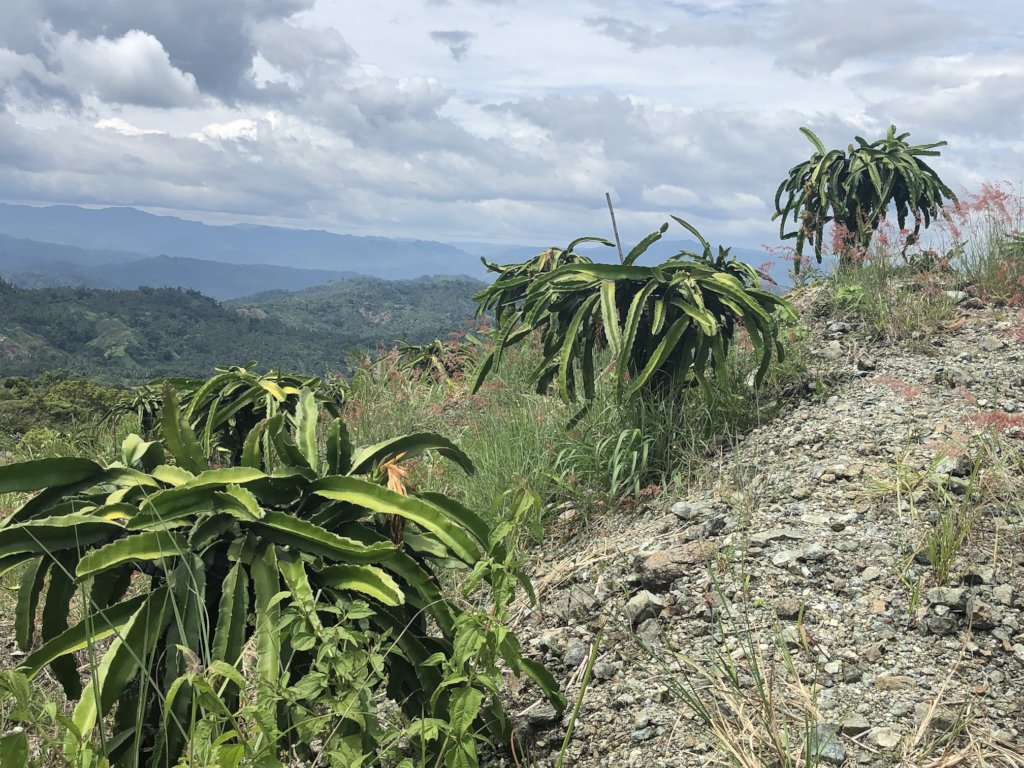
(288,605)
(854,189)
(663,326)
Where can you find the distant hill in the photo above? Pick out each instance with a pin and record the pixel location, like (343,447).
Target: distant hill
(32,264)
(127,229)
(131,336)
(381,309)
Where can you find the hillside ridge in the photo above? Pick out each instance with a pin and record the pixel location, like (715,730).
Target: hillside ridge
(808,538)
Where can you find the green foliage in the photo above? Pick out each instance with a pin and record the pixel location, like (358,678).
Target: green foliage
(855,189)
(263,610)
(52,404)
(224,409)
(441,360)
(507,292)
(663,326)
(125,337)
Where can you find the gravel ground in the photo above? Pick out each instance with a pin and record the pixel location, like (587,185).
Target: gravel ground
(794,592)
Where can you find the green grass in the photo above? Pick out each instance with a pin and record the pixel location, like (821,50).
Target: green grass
(614,455)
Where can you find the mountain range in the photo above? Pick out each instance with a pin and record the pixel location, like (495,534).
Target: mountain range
(125,248)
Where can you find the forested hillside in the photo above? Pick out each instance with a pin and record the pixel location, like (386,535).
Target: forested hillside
(131,336)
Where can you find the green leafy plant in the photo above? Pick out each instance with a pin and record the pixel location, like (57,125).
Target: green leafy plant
(441,360)
(262,608)
(224,408)
(663,326)
(855,188)
(505,295)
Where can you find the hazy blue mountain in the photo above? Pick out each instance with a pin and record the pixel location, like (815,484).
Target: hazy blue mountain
(19,253)
(119,232)
(130,230)
(39,265)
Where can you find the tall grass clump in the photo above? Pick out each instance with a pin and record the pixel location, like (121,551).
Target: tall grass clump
(901,287)
(986,233)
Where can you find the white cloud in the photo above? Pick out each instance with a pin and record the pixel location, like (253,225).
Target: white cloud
(477,120)
(123,127)
(132,69)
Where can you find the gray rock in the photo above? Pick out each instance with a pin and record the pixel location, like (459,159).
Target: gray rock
(827,746)
(1003,594)
(870,573)
(643,734)
(948,596)
(659,570)
(774,534)
(688,510)
(539,717)
(979,574)
(958,297)
(886,738)
(787,608)
(894,682)
(642,606)
(855,725)
(992,343)
(814,552)
(576,654)
(605,670)
(943,720)
(785,557)
(649,633)
(941,625)
(980,614)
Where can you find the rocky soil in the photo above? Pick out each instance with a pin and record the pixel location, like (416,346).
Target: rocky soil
(791,599)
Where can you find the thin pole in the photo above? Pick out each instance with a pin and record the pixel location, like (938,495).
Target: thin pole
(615,227)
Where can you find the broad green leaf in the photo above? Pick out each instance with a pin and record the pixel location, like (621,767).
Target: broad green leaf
(48,535)
(463,708)
(293,571)
(56,610)
(367,579)
(99,625)
(283,443)
(306,414)
(226,476)
(408,446)
(173,504)
(307,537)
(266,585)
(610,318)
(641,248)
(111,587)
(545,680)
(32,580)
(232,614)
(134,646)
(339,448)
(385,501)
(252,449)
(14,750)
(171,475)
(178,435)
(152,545)
(661,353)
(566,356)
(45,473)
(237,498)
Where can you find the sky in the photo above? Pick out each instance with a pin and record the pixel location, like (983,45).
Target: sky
(490,120)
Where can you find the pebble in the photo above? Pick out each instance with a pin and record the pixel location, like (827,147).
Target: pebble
(886,738)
